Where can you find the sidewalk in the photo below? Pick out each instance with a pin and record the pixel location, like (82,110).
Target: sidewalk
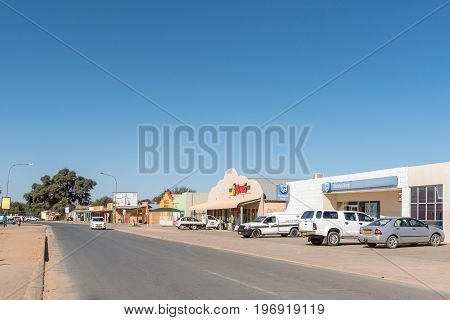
(22,261)
(420,266)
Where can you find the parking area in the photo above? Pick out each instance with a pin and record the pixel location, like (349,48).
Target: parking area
(421,266)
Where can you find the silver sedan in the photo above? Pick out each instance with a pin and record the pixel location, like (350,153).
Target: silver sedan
(394,231)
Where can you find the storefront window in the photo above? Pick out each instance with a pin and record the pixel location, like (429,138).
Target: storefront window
(426,204)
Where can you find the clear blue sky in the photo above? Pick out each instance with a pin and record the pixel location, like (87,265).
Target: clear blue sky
(245,60)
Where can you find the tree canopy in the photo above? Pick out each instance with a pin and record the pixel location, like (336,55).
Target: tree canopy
(174,190)
(55,193)
(103,201)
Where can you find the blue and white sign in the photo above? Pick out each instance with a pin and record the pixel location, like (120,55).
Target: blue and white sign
(283,192)
(375,183)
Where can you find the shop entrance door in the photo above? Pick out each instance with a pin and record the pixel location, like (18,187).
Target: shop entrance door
(371,208)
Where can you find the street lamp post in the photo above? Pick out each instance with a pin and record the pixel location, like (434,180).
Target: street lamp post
(115,191)
(9,173)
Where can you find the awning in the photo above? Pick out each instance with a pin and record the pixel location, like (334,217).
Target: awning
(223,204)
(166,210)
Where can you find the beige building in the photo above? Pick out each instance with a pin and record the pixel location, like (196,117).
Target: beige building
(237,199)
(421,192)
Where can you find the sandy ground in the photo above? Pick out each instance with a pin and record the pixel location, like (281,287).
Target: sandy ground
(421,266)
(21,250)
(58,285)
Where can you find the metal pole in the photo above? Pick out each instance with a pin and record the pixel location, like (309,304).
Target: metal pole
(115,192)
(9,173)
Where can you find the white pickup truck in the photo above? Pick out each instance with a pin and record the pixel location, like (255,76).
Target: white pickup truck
(281,223)
(332,226)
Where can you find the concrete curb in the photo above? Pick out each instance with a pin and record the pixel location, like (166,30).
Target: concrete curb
(35,289)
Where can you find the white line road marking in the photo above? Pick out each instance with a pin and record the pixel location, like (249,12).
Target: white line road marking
(240,282)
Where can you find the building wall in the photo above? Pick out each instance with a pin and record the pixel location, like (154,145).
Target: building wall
(434,174)
(307,194)
(389,200)
(270,207)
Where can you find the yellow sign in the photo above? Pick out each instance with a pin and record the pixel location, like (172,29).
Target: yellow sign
(166,200)
(6,203)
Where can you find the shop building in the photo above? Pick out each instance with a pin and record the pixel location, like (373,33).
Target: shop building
(238,199)
(186,200)
(421,192)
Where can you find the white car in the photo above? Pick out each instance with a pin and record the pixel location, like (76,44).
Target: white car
(212,222)
(281,223)
(332,226)
(98,223)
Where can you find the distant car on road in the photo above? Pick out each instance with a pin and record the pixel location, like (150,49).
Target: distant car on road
(400,230)
(189,223)
(98,223)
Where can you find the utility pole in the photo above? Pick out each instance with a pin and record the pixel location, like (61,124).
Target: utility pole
(115,192)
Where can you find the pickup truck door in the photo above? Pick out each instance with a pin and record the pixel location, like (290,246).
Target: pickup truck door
(351,224)
(271,225)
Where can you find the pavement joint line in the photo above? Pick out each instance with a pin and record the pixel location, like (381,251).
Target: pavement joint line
(240,282)
(305,264)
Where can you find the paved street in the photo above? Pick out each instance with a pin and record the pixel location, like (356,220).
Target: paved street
(116,265)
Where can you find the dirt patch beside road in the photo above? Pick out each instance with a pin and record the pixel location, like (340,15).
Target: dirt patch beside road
(22,261)
(58,285)
(420,266)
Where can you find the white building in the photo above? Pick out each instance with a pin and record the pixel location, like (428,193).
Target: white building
(421,192)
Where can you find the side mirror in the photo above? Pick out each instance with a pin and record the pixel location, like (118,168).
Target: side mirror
(426,225)
(372,219)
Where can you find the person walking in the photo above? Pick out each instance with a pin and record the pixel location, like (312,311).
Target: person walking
(5,220)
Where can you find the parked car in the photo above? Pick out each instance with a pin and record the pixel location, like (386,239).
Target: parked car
(400,230)
(189,223)
(98,223)
(281,223)
(332,226)
(212,222)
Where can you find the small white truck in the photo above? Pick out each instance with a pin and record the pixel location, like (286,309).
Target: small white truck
(332,226)
(212,222)
(189,223)
(281,223)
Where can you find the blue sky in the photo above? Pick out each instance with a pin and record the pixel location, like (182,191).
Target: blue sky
(219,62)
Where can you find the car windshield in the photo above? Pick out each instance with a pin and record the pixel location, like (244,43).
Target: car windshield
(308,215)
(380,222)
(97,219)
(259,219)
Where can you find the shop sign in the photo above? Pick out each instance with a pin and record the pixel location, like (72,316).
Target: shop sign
(282,192)
(238,189)
(385,182)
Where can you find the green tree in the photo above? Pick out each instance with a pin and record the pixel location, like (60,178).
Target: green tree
(62,190)
(174,190)
(18,208)
(103,201)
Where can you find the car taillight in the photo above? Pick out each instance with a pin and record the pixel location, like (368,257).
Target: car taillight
(378,232)
(314,226)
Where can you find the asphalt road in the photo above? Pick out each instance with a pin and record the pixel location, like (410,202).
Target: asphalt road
(116,265)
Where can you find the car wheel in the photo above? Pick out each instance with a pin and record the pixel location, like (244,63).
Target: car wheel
(317,241)
(256,233)
(392,242)
(193,227)
(435,240)
(333,238)
(371,245)
(293,233)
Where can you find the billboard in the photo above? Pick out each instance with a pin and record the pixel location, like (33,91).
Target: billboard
(6,203)
(125,199)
